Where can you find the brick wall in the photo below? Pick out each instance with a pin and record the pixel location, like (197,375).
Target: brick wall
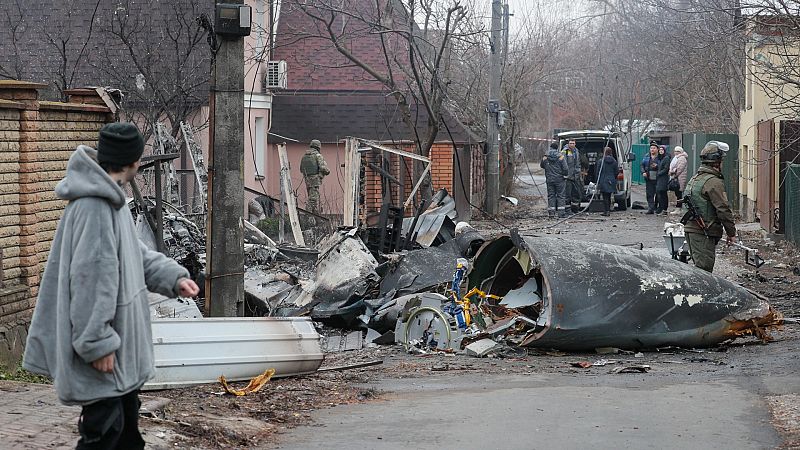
(315,64)
(36,140)
(443,174)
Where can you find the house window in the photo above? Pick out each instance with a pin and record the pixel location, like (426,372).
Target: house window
(260,147)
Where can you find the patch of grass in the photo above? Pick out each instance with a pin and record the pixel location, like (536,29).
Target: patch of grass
(20,374)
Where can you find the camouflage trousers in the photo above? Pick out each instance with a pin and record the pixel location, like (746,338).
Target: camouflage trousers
(312,202)
(703,250)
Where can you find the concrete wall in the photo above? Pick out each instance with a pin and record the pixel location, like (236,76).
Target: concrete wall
(36,140)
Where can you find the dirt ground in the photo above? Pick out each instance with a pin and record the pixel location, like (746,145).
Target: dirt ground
(201,417)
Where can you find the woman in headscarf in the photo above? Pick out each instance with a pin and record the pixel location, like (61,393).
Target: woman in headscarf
(607,180)
(662,180)
(678,168)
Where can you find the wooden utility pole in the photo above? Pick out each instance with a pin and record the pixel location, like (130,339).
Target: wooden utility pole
(225,236)
(493,110)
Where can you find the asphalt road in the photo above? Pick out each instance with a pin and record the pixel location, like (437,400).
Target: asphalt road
(675,406)
(546,412)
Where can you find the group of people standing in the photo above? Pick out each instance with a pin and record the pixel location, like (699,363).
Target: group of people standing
(663,173)
(564,171)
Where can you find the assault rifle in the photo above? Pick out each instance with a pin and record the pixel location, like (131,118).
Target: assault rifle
(751,257)
(692,214)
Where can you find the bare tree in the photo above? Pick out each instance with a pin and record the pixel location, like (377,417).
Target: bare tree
(416,41)
(165,58)
(15,26)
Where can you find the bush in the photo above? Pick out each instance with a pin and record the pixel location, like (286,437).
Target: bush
(20,374)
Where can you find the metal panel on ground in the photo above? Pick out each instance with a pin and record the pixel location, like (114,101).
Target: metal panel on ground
(194,351)
(765,174)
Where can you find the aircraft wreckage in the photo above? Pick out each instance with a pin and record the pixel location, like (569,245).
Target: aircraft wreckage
(583,295)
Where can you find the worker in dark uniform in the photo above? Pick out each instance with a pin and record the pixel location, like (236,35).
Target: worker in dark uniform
(706,192)
(314,169)
(574,189)
(555,173)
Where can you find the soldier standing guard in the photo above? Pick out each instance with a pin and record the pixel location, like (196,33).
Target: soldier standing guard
(712,215)
(314,169)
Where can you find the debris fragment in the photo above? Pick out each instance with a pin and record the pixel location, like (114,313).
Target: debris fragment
(253,386)
(341,342)
(482,348)
(352,366)
(581,364)
(631,369)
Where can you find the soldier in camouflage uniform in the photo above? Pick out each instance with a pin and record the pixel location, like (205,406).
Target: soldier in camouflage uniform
(706,191)
(314,169)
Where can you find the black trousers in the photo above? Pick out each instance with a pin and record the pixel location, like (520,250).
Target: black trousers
(606,201)
(111,423)
(662,201)
(650,193)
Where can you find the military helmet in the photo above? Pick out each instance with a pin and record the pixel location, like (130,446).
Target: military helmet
(316,144)
(714,151)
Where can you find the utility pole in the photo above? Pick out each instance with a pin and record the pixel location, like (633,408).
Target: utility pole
(225,236)
(492,112)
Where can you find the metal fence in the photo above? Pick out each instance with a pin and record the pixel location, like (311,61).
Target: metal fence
(640,150)
(792,181)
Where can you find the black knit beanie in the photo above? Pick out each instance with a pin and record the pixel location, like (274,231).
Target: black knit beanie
(120,144)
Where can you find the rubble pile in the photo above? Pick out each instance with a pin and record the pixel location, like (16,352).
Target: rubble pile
(440,286)
(451,290)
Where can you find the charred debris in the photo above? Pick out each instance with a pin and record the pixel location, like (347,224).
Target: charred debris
(434,284)
(442,286)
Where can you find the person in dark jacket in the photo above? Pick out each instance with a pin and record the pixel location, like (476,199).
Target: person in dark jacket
(555,172)
(650,174)
(662,180)
(607,181)
(577,164)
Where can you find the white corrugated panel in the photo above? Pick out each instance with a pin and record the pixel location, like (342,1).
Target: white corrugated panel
(194,351)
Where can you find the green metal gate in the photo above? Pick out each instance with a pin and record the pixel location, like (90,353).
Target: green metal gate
(694,142)
(640,150)
(792,217)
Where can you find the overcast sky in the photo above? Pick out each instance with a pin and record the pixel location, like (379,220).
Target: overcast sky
(523,9)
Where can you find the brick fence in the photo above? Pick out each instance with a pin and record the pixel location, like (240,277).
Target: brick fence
(443,176)
(36,140)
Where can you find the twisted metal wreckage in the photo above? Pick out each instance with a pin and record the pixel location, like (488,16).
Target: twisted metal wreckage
(535,291)
(405,287)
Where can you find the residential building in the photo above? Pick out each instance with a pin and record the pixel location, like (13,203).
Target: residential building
(768,131)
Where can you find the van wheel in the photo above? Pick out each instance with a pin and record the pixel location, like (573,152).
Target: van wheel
(622,206)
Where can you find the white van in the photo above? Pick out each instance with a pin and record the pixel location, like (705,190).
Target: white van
(590,145)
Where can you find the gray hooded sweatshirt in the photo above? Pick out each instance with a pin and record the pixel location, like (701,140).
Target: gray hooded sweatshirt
(93,295)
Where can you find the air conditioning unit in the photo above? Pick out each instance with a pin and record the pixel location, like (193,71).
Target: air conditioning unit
(275,76)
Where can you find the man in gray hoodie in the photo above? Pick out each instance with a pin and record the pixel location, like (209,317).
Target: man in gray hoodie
(91,326)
